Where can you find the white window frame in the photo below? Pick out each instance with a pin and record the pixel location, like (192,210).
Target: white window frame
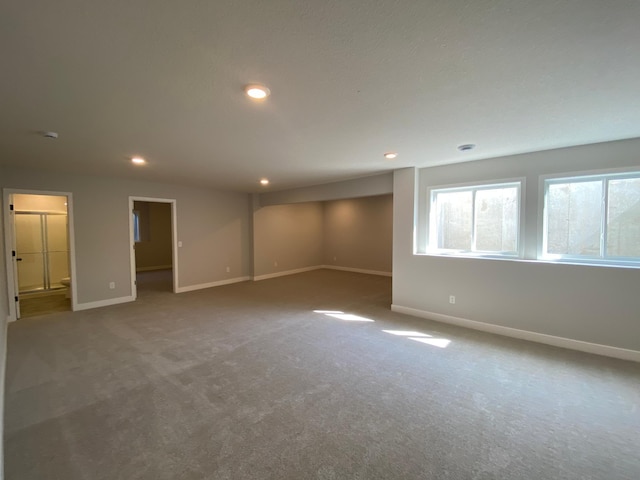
(431,237)
(601,259)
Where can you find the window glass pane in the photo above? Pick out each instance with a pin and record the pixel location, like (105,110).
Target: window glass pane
(574,218)
(623,220)
(136,227)
(454,220)
(497,220)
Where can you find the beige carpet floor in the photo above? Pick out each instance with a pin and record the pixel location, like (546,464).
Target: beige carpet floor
(305,377)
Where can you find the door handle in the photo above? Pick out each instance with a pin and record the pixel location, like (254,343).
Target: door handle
(18,259)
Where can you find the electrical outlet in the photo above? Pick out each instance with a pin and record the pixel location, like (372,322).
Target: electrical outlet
(335,258)
(179,244)
(112,285)
(228,269)
(452,299)
(275,264)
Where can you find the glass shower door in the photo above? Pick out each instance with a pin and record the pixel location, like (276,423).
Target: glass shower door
(57,254)
(42,251)
(30,252)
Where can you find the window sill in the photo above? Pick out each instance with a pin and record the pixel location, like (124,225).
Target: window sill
(514,258)
(591,262)
(490,256)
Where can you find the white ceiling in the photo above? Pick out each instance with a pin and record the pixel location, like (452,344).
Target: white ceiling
(349,80)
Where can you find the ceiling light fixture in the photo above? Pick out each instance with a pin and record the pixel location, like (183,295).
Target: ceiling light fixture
(390,155)
(53,135)
(138,160)
(257,91)
(466,147)
(264,181)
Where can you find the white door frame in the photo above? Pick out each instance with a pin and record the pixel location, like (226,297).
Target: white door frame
(10,239)
(174,240)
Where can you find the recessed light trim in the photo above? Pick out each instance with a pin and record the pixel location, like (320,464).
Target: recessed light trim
(138,161)
(390,155)
(264,181)
(466,147)
(257,91)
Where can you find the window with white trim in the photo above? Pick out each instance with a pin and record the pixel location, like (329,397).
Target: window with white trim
(592,218)
(475,220)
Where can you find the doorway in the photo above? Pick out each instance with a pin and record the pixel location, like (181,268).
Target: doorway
(39,253)
(154,266)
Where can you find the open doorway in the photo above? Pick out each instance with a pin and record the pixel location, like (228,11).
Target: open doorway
(153,252)
(39,252)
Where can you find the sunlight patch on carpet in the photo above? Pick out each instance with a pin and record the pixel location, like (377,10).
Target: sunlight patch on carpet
(436,342)
(406,333)
(349,317)
(410,334)
(421,337)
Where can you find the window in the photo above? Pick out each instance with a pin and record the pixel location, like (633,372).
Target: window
(482,219)
(594,217)
(136,227)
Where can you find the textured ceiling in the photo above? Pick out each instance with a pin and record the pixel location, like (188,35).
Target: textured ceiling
(349,80)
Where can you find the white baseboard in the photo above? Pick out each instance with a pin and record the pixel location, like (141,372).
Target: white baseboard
(358,270)
(157,267)
(598,349)
(286,272)
(10,319)
(190,288)
(319,267)
(103,303)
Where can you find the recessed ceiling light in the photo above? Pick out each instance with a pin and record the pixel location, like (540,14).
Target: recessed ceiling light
(138,160)
(257,91)
(264,181)
(466,147)
(390,155)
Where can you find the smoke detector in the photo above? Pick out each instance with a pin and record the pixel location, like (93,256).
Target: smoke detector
(466,147)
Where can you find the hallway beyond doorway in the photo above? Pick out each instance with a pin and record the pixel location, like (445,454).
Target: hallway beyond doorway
(155,281)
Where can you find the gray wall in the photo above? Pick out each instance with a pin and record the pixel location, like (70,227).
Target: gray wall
(358,233)
(359,187)
(212,225)
(588,303)
(364,242)
(290,235)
